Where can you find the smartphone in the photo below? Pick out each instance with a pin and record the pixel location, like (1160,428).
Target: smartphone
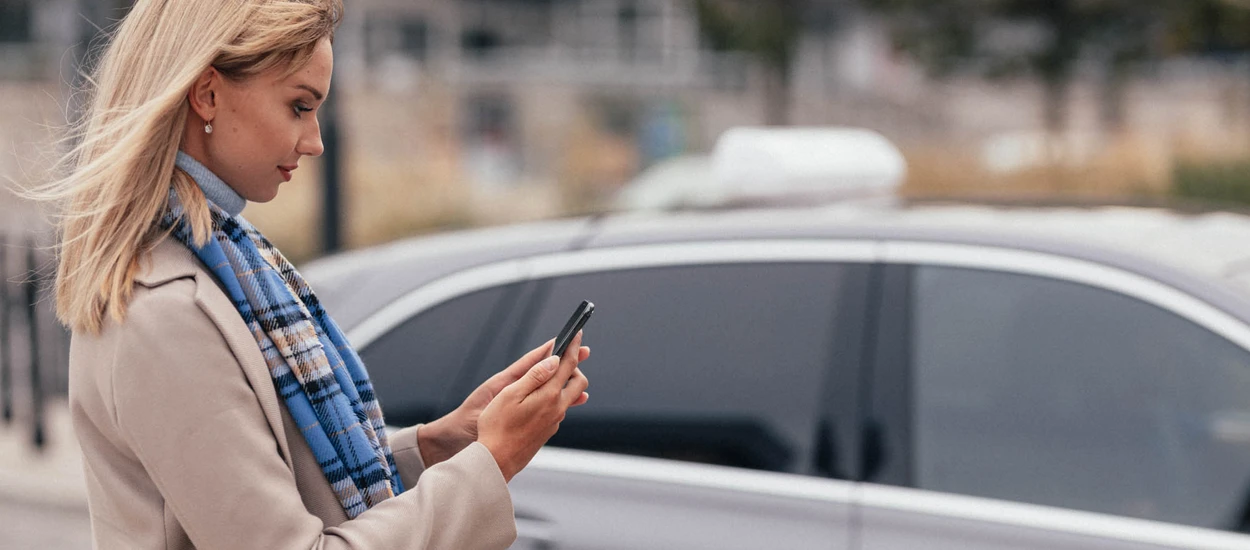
(576,322)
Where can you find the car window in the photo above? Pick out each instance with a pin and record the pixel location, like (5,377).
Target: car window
(1051,392)
(416,364)
(721,364)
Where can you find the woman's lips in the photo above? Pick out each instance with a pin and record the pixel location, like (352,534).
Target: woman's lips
(286,172)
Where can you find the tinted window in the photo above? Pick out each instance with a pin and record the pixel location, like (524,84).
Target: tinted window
(415,365)
(1057,393)
(718,364)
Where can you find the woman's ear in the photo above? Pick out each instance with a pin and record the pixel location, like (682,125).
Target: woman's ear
(203,94)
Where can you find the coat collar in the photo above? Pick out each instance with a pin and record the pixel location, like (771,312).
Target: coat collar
(168,261)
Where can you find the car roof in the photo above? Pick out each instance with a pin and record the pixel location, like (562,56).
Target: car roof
(1202,253)
(1209,244)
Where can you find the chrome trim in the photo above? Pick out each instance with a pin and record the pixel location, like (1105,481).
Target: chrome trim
(1073,270)
(702,253)
(672,472)
(1046,518)
(604,259)
(432,294)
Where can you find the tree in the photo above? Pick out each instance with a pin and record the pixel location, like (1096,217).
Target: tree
(769,30)
(1043,38)
(951,36)
(1219,28)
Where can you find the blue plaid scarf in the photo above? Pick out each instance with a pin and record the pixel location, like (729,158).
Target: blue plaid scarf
(314,368)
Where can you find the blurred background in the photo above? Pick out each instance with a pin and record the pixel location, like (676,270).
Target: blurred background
(461,113)
(456,113)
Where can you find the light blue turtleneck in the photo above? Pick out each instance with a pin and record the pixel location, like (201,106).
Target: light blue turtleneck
(217,191)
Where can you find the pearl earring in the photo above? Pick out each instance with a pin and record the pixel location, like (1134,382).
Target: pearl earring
(208,128)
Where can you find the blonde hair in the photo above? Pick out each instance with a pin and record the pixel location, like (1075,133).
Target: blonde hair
(122,164)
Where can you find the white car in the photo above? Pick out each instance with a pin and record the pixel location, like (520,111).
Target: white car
(862,376)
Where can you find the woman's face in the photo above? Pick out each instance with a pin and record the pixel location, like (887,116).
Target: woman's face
(263,125)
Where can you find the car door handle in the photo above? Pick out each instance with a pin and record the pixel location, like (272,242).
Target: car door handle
(533,534)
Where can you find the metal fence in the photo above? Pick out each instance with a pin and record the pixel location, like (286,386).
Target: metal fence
(34,347)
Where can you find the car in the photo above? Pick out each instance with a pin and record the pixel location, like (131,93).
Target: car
(865,374)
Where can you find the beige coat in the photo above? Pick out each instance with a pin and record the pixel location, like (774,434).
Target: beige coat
(186,443)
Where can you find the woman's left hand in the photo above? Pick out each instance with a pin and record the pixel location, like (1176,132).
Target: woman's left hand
(443,438)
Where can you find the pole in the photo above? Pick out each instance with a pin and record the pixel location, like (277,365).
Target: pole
(32,317)
(6,351)
(331,198)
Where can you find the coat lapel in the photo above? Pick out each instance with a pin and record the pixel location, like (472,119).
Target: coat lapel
(171,260)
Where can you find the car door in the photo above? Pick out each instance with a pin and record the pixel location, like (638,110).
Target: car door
(1033,401)
(719,398)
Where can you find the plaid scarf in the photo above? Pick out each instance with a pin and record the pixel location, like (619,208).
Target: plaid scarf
(314,368)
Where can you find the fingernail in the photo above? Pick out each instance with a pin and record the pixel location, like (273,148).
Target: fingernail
(551,363)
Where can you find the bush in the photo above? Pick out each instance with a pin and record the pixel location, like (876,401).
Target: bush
(1223,181)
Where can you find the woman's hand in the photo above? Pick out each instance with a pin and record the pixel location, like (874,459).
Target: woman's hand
(527,412)
(443,438)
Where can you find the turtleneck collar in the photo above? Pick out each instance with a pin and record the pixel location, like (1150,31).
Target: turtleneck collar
(217,191)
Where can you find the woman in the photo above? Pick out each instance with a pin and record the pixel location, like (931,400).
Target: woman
(216,403)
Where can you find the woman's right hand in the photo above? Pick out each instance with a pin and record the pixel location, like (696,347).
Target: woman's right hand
(521,419)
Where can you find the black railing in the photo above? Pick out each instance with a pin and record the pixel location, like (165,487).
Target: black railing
(30,338)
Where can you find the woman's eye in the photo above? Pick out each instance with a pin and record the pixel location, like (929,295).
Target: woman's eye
(299,109)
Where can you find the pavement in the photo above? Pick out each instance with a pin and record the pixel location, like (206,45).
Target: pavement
(43,498)
(50,477)
(26,527)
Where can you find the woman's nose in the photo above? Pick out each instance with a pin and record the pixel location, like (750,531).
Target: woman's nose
(310,143)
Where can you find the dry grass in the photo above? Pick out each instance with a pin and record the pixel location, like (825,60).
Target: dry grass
(387,198)
(1124,168)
